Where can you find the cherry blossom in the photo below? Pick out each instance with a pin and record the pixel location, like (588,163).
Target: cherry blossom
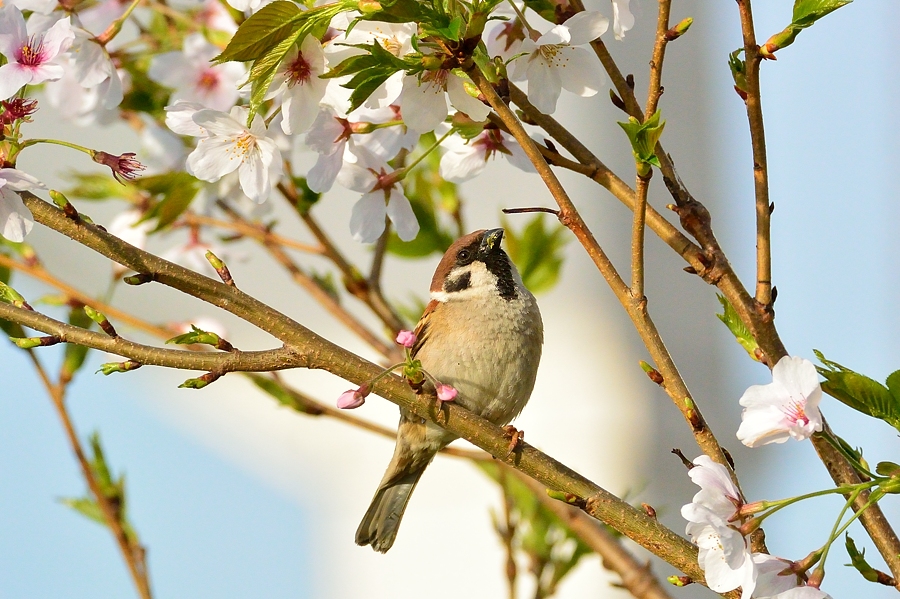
(15,219)
(423,101)
(555,62)
(194,79)
(94,68)
(337,140)
(227,145)
(382,196)
(31,56)
(623,20)
(396,38)
(801,593)
(353,398)
(298,80)
(724,554)
(406,338)
(446,393)
(770,580)
(787,407)
(465,159)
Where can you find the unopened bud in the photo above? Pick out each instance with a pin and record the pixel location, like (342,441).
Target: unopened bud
(680,581)
(362,127)
(680,29)
(432,62)
(368,7)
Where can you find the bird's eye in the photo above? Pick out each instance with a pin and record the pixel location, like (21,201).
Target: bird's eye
(463,255)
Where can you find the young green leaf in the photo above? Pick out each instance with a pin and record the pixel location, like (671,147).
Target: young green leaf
(737,327)
(860,392)
(806,13)
(643,138)
(262,31)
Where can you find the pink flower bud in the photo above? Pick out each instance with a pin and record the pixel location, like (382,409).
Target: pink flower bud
(406,338)
(446,393)
(352,399)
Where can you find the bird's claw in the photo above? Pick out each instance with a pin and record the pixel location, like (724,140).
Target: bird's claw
(516,438)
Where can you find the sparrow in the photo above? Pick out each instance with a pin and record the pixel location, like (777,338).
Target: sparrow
(481,333)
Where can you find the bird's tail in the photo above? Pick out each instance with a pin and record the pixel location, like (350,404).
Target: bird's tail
(413,452)
(382,520)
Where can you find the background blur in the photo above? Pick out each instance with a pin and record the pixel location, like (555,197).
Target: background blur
(236,497)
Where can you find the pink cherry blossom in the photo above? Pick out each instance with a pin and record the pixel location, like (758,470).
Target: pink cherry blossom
(352,399)
(446,393)
(787,407)
(31,56)
(406,338)
(466,159)
(297,82)
(193,77)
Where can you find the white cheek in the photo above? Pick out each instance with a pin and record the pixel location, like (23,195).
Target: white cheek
(481,282)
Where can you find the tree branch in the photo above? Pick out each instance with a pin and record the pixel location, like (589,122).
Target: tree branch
(220,362)
(314,352)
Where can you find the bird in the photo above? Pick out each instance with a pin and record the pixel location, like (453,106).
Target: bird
(482,334)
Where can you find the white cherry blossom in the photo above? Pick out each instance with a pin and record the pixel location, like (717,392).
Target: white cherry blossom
(194,79)
(31,56)
(382,196)
(554,61)
(623,20)
(15,219)
(770,582)
(465,159)
(423,101)
(337,140)
(227,145)
(298,82)
(94,68)
(787,407)
(724,554)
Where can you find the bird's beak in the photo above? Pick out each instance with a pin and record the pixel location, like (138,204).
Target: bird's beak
(490,242)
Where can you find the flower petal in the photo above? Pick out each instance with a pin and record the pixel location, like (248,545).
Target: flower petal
(580,73)
(586,26)
(15,219)
(463,102)
(424,105)
(544,85)
(367,218)
(212,159)
(401,214)
(12,77)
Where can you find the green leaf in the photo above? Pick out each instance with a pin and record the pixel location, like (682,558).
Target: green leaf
(85,506)
(806,13)
(398,11)
(100,187)
(860,392)
(643,138)
(737,327)
(284,395)
(537,252)
(196,336)
(174,191)
(262,31)
(858,561)
(545,8)
(75,354)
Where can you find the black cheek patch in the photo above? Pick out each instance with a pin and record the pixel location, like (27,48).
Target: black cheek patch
(459,283)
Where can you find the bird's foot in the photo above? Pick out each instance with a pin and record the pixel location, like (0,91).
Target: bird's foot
(516,438)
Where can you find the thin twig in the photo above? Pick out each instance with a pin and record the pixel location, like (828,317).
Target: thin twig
(134,555)
(248,229)
(760,163)
(654,87)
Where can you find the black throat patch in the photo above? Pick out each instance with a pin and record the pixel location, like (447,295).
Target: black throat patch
(497,263)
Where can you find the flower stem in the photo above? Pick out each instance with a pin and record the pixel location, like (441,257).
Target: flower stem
(406,169)
(531,31)
(58,142)
(783,503)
